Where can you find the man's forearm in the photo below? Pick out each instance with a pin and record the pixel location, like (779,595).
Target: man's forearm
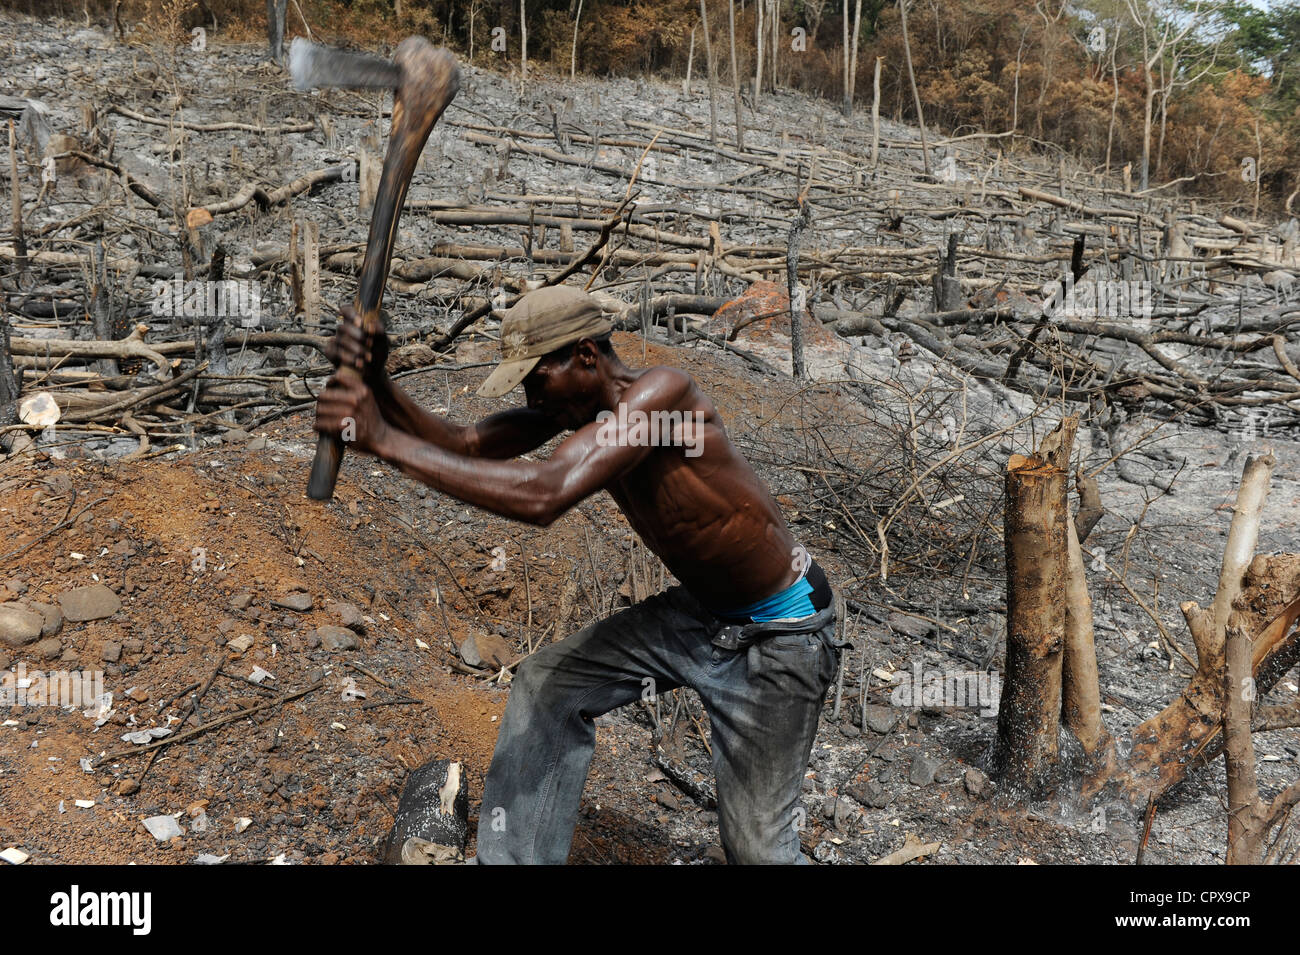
(513,489)
(400,410)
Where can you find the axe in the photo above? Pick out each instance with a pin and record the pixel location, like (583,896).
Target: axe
(426,81)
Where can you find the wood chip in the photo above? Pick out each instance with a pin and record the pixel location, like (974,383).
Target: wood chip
(913,848)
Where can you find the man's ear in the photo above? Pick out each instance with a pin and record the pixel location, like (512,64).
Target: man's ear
(587,352)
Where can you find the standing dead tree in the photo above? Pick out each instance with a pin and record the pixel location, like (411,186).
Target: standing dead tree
(523,42)
(911,78)
(735,75)
(794,289)
(690,61)
(276,11)
(1034,528)
(813,11)
(852,86)
(1250,819)
(1245,641)
(16,202)
(713,81)
(573,50)
(845,49)
(875,115)
(8,382)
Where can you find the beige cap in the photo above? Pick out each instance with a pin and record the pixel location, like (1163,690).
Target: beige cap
(539,323)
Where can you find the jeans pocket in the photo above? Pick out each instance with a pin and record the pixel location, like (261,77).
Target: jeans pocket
(720,657)
(794,641)
(834,657)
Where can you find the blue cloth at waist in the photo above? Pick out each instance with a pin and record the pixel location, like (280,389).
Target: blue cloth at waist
(793,603)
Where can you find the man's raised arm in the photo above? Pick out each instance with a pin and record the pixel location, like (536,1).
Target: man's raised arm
(536,492)
(503,435)
(506,434)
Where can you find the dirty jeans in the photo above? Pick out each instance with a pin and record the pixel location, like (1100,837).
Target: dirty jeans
(763,703)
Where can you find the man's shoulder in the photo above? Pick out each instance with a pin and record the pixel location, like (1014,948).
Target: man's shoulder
(660,385)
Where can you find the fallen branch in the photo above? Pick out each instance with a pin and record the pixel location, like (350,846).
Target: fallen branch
(209,127)
(206,727)
(280,194)
(133,346)
(138,397)
(66,522)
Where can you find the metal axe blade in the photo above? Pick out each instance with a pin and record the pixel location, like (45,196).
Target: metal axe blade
(313,66)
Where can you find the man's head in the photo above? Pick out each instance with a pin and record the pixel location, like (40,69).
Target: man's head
(553,341)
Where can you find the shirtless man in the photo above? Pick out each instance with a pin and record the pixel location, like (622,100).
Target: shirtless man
(750,627)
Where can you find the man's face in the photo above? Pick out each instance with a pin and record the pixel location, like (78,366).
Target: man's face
(562,386)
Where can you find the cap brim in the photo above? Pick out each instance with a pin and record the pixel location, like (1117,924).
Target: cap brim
(506,376)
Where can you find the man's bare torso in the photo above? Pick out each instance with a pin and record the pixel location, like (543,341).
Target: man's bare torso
(707,515)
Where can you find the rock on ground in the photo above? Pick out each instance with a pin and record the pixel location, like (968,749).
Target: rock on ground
(18,625)
(337,638)
(485,650)
(89,603)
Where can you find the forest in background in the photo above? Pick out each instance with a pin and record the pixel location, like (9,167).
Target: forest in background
(1206,90)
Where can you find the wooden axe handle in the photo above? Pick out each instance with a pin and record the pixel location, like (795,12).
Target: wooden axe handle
(430,81)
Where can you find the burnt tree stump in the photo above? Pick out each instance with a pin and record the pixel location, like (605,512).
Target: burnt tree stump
(432,821)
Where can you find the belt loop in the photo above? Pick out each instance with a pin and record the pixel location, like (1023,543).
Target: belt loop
(754,658)
(729,636)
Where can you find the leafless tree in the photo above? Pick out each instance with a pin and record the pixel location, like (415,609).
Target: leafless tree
(1163,31)
(846,50)
(735,74)
(523,41)
(1114,102)
(713,82)
(1052,40)
(474,6)
(690,61)
(1174,76)
(573,54)
(813,11)
(853,57)
(911,76)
